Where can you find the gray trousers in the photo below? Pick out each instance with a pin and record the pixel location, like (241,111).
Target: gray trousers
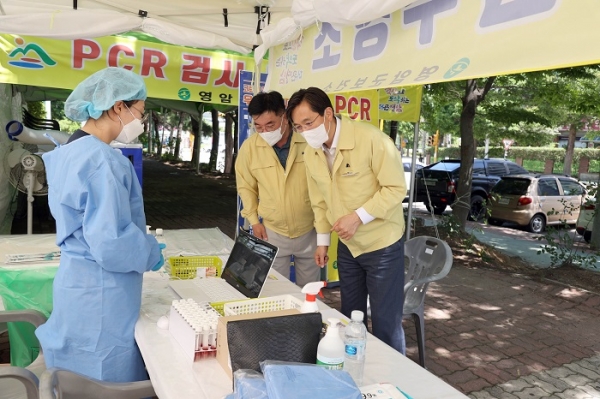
(303,248)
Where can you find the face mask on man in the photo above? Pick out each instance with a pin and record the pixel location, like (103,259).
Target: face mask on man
(316,137)
(273,137)
(130,130)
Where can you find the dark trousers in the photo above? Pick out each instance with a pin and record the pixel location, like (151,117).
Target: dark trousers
(379,274)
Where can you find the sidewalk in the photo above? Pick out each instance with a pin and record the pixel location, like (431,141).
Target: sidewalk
(489,334)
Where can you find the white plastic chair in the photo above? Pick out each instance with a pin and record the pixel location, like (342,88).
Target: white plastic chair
(57,383)
(426,259)
(19,382)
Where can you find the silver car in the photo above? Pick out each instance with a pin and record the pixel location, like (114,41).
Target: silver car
(536,201)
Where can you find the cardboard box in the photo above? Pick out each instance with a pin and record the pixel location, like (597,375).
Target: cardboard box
(222,346)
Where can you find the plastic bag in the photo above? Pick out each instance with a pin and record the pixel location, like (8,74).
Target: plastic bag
(300,380)
(26,288)
(249,384)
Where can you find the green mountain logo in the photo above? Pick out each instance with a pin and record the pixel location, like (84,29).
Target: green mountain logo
(29,56)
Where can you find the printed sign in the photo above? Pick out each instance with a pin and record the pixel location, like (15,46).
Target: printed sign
(439,40)
(361,106)
(170,72)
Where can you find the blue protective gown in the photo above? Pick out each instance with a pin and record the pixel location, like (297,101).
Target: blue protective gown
(96,199)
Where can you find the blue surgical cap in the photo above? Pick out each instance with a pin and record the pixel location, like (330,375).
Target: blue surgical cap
(101,90)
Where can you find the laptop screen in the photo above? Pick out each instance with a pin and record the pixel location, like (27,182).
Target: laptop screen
(249,263)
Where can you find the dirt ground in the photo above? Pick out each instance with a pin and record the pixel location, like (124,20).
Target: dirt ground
(469,252)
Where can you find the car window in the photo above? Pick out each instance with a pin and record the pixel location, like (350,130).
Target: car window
(515,169)
(478,167)
(496,169)
(512,187)
(548,187)
(570,187)
(445,166)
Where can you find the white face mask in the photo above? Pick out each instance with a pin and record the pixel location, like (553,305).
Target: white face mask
(316,137)
(273,137)
(130,130)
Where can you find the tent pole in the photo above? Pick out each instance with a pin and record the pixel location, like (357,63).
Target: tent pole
(412,180)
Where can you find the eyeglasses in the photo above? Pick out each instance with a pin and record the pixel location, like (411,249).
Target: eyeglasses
(306,126)
(268,127)
(144,115)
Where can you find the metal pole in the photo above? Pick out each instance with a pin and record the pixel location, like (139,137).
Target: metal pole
(412,181)
(199,137)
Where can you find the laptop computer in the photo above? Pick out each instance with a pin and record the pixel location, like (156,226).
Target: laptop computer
(243,277)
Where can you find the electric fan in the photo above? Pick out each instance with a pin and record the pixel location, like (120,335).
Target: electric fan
(26,173)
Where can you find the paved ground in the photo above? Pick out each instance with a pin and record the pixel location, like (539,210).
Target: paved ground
(489,334)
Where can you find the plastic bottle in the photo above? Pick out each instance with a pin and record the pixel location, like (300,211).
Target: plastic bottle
(330,352)
(311,290)
(355,342)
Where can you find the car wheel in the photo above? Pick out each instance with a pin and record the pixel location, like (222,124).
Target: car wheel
(537,224)
(495,222)
(587,236)
(477,211)
(438,208)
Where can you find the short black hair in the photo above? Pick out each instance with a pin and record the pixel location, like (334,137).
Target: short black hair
(316,98)
(266,101)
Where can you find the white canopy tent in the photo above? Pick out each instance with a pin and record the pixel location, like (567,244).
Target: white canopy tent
(232,25)
(209,24)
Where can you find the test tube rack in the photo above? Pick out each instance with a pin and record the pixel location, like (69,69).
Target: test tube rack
(194,327)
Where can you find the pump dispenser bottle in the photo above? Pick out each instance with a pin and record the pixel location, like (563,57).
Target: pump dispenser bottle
(330,352)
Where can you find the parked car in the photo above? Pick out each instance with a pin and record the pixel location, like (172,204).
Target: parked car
(536,201)
(436,184)
(585,220)
(407,163)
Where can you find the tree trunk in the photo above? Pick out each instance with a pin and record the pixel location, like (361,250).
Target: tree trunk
(157,139)
(214,152)
(394,131)
(473,96)
(570,149)
(197,136)
(595,242)
(178,137)
(228,143)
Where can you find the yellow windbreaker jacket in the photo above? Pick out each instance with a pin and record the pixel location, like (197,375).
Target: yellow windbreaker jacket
(279,196)
(367,172)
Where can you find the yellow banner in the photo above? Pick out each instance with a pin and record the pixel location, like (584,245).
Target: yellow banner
(437,41)
(400,103)
(170,72)
(362,106)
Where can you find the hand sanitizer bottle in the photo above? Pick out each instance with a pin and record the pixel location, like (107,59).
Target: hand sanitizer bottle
(330,352)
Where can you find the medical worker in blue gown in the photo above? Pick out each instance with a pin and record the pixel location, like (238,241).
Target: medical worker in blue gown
(96,199)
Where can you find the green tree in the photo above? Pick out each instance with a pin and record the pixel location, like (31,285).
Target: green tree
(57,110)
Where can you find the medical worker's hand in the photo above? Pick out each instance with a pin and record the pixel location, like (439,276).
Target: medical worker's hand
(346,226)
(161,261)
(321,257)
(260,231)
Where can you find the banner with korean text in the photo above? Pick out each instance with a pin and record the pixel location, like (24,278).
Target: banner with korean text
(439,40)
(400,103)
(170,72)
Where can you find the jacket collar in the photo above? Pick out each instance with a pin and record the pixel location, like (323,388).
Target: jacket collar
(347,139)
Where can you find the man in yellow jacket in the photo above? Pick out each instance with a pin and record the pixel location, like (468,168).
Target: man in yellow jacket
(271,182)
(356,187)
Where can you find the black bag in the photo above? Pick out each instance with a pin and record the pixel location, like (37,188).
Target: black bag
(291,338)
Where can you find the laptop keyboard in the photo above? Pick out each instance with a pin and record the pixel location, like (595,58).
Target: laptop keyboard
(217,289)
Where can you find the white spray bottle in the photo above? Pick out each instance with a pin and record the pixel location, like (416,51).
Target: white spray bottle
(311,290)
